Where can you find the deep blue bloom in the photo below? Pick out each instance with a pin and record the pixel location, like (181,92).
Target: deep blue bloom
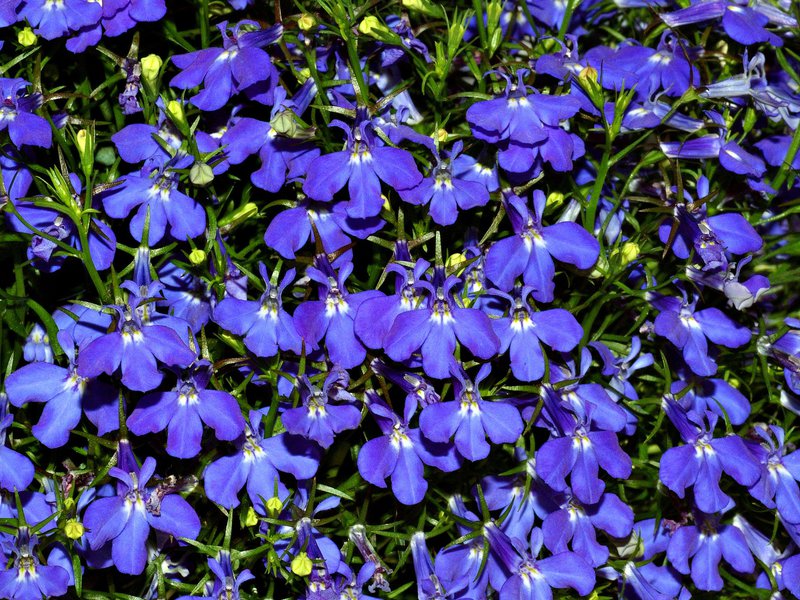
(226,583)
(54,19)
(16,470)
(135,346)
(688,328)
(16,114)
(714,394)
(240,64)
(706,543)
(28,579)
(265,325)
(125,519)
(469,418)
(65,394)
(362,165)
(318,418)
(701,462)
(401,453)
(434,328)
(183,410)
(531,250)
(780,472)
(256,464)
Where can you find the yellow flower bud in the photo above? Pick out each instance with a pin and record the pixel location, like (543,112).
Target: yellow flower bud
(201,174)
(454,260)
(302,565)
(588,74)
(386,204)
(555,199)
(197,256)
(151,66)
(26,37)
(175,111)
(74,529)
(274,505)
(629,252)
(251,519)
(441,135)
(306,21)
(370,25)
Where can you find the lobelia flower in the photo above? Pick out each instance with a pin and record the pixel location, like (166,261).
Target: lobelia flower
(256,464)
(183,410)
(28,579)
(741,295)
(186,296)
(318,418)
(743,22)
(137,142)
(779,473)
(580,451)
(362,165)
(65,394)
(53,222)
(714,394)
(125,518)
(459,567)
(226,582)
(782,565)
(290,230)
(418,391)
(523,330)
(16,114)
(428,585)
(688,329)
(469,418)
(53,19)
(531,578)
(447,189)
(138,342)
(240,64)
(651,582)
(531,250)
(265,325)
(282,157)
(527,125)
(702,460)
(157,196)
(621,368)
(37,346)
(375,316)
(16,470)
(332,315)
(706,543)
(401,453)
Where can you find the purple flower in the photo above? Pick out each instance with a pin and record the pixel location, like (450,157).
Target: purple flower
(400,453)
(125,519)
(226,582)
(28,579)
(157,196)
(780,472)
(688,329)
(135,346)
(65,394)
(16,114)
(256,464)
(531,578)
(362,165)
(16,470)
(447,189)
(470,418)
(434,329)
(706,543)
(332,315)
(183,411)
(531,250)
(318,418)
(523,331)
(240,64)
(265,325)
(701,462)
(54,19)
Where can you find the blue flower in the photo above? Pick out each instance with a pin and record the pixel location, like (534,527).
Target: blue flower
(240,64)
(16,470)
(54,19)
(362,165)
(780,472)
(531,250)
(470,418)
(125,519)
(28,579)
(16,114)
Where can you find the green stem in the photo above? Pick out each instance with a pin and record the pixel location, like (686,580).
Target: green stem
(783,173)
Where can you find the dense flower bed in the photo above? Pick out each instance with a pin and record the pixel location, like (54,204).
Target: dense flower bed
(339,300)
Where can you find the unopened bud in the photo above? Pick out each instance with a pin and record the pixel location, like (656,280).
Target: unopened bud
(197,257)
(237,217)
(454,260)
(151,66)
(555,199)
(201,174)
(74,529)
(441,135)
(371,26)
(274,505)
(26,37)
(306,21)
(175,111)
(302,565)
(588,73)
(251,519)
(629,252)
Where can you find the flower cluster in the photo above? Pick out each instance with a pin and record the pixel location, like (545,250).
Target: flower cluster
(483,299)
